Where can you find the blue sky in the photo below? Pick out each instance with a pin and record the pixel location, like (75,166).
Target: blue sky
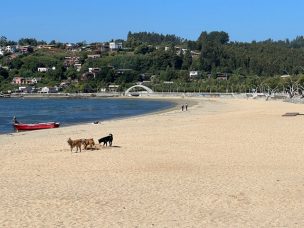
(100,20)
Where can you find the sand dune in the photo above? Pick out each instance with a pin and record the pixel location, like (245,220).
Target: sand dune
(223,163)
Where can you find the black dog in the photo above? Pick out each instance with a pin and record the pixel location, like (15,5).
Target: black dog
(106,140)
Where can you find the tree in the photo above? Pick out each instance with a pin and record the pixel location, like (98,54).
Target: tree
(4,73)
(3,41)
(271,84)
(71,73)
(144,49)
(202,40)
(52,42)
(291,85)
(151,38)
(28,41)
(187,60)
(212,49)
(218,37)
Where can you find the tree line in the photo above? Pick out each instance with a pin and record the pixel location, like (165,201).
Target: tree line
(249,65)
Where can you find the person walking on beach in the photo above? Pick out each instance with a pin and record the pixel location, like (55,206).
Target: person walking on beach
(182,107)
(186,107)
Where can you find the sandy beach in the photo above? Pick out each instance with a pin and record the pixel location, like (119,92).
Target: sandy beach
(222,163)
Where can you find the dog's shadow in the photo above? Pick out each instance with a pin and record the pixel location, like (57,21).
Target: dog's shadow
(97,148)
(91,149)
(108,147)
(116,146)
(100,147)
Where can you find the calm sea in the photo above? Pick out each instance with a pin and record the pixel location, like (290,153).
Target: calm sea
(69,111)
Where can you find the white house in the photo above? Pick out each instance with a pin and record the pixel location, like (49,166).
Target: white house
(43,69)
(77,66)
(8,49)
(45,90)
(193,74)
(34,81)
(94,56)
(94,70)
(49,90)
(22,89)
(113,88)
(115,45)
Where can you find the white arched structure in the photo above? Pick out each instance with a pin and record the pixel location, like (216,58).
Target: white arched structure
(139,86)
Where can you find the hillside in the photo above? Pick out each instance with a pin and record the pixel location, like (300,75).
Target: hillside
(210,63)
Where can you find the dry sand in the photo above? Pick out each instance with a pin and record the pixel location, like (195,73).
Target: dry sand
(223,163)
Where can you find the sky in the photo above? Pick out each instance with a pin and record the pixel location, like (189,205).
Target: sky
(101,20)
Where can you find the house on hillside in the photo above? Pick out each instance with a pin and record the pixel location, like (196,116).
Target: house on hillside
(25,49)
(22,89)
(94,70)
(122,71)
(222,76)
(26,89)
(77,66)
(194,74)
(71,47)
(115,45)
(113,88)
(71,61)
(18,81)
(31,81)
(47,46)
(49,90)
(44,90)
(104,47)
(9,49)
(42,69)
(24,81)
(180,50)
(64,84)
(96,56)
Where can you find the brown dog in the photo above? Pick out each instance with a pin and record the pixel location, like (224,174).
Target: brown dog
(75,143)
(88,142)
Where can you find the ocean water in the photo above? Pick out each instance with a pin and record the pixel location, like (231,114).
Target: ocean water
(69,111)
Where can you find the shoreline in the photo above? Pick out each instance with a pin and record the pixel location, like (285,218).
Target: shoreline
(175,103)
(224,162)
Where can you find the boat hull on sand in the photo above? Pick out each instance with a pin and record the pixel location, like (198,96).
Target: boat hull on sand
(35,126)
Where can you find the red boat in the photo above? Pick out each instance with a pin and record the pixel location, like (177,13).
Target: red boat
(34,126)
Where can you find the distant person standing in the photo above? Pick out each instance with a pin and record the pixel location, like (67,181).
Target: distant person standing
(182,107)
(186,107)
(15,121)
